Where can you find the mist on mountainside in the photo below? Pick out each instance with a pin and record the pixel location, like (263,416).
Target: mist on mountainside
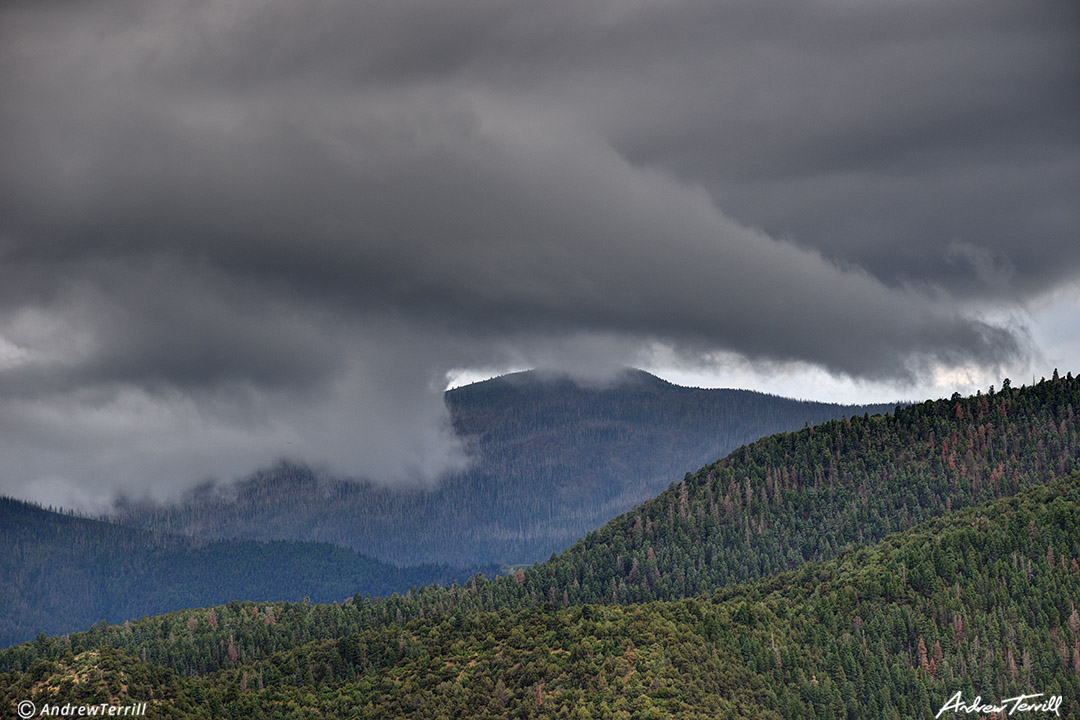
(551,458)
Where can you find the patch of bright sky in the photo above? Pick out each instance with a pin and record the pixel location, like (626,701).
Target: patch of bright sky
(1056,330)
(801,381)
(467,376)
(1052,322)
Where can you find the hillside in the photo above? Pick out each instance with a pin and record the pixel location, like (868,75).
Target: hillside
(812,494)
(794,498)
(778,503)
(981,601)
(60,573)
(553,459)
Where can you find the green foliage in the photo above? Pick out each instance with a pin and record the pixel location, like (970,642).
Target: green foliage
(799,497)
(789,499)
(974,602)
(768,599)
(778,503)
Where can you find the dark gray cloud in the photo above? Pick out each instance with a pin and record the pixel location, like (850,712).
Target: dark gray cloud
(881,136)
(230,232)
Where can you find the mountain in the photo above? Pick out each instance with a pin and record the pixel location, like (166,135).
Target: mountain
(792,498)
(980,602)
(60,573)
(553,459)
(786,500)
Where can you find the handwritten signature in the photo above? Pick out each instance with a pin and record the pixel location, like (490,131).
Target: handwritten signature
(1014,704)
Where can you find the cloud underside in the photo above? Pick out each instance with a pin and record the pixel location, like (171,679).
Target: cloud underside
(227,236)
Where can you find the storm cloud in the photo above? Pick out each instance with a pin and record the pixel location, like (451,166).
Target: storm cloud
(234,231)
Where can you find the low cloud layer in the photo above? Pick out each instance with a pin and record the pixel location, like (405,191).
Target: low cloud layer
(233,232)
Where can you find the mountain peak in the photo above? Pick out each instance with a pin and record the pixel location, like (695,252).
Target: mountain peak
(551,378)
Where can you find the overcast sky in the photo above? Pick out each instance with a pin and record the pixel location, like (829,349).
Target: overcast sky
(238,230)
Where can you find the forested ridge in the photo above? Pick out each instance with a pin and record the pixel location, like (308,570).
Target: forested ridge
(60,573)
(796,497)
(812,494)
(552,458)
(867,567)
(981,601)
(792,498)
(64,573)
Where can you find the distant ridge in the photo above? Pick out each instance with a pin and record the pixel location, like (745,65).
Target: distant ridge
(554,458)
(980,602)
(60,573)
(790,499)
